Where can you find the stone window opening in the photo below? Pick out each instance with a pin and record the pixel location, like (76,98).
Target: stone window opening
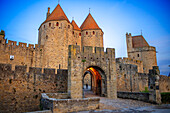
(0,41)
(93,32)
(138,55)
(79,34)
(49,24)
(76,43)
(57,24)
(12,43)
(86,33)
(46,36)
(61,26)
(44,26)
(73,32)
(68,26)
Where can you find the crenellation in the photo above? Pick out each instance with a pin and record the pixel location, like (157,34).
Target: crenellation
(99,50)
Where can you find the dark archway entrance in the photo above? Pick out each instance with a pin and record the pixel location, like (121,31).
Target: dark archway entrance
(94,80)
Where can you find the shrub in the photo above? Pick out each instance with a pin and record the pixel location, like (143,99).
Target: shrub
(146,90)
(165,97)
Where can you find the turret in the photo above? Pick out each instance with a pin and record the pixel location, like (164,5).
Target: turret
(76,34)
(92,35)
(129,42)
(48,13)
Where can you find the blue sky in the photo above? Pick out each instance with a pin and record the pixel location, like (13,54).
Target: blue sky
(21,19)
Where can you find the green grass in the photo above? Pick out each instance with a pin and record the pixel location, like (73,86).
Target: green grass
(146,90)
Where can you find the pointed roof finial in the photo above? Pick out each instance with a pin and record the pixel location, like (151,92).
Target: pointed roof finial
(58,1)
(141,31)
(89,10)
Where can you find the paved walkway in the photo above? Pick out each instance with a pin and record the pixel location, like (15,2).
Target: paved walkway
(126,106)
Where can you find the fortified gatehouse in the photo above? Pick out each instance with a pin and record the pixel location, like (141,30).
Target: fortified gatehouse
(101,65)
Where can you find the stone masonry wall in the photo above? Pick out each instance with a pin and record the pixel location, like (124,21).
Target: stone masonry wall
(20,91)
(127,77)
(26,56)
(79,62)
(55,38)
(164,83)
(57,105)
(145,54)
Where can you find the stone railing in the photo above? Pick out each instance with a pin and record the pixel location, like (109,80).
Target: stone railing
(68,105)
(134,95)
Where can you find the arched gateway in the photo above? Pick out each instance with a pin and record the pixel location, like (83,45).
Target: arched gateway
(96,82)
(99,63)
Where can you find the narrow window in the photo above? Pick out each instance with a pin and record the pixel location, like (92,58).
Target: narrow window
(12,43)
(44,26)
(49,24)
(0,41)
(68,26)
(93,32)
(76,43)
(86,33)
(46,36)
(79,34)
(73,32)
(61,25)
(57,24)
(138,55)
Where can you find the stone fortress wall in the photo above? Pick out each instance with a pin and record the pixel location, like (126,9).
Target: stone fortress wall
(30,56)
(21,90)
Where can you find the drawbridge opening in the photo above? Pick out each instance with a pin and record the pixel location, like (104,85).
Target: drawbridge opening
(94,82)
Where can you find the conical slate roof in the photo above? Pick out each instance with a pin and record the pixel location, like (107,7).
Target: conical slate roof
(89,23)
(57,14)
(75,26)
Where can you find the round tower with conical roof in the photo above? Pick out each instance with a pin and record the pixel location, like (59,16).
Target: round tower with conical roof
(76,34)
(92,34)
(55,34)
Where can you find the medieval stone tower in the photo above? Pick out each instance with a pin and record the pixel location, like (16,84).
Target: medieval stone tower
(56,33)
(139,49)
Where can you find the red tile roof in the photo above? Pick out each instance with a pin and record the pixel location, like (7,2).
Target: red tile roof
(75,26)
(139,41)
(57,14)
(89,23)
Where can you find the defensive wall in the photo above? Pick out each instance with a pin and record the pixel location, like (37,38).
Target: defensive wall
(20,91)
(130,79)
(30,56)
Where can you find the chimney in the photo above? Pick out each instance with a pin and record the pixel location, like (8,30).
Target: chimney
(48,13)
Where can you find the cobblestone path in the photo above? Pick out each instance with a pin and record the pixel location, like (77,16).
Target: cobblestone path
(107,105)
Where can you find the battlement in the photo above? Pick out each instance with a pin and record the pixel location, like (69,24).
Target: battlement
(128,34)
(14,44)
(21,72)
(149,48)
(89,49)
(128,60)
(88,52)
